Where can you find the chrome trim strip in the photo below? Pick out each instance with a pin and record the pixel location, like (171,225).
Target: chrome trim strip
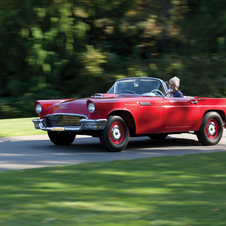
(145,103)
(70,114)
(86,124)
(37,122)
(90,124)
(70,129)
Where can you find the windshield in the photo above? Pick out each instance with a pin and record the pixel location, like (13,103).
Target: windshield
(140,86)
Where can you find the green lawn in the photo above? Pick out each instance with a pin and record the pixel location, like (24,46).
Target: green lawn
(18,127)
(170,191)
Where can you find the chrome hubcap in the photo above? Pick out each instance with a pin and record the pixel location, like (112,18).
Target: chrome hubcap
(116,132)
(211,129)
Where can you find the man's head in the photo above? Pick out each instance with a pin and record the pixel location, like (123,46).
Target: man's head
(174,83)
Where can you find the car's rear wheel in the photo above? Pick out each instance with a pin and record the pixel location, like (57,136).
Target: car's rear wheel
(158,136)
(211,129)
(61,138)
(115,135)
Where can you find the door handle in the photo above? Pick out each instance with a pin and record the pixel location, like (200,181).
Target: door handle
(194,102)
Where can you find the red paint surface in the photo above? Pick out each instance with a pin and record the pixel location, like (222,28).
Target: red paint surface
(148,114)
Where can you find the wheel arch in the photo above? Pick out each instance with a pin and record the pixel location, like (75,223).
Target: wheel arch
(127,117)
(220,112)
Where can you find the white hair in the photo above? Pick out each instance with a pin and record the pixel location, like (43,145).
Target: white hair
(176,81)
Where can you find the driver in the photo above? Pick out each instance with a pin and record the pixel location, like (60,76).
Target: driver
(174,84)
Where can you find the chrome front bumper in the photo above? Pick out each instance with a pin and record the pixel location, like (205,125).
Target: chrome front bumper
(86,124)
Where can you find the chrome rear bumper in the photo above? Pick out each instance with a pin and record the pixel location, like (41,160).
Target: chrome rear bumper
(86,124)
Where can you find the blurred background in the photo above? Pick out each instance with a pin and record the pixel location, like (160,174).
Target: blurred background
(74,48)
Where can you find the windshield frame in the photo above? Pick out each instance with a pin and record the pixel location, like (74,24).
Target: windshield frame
(136,81)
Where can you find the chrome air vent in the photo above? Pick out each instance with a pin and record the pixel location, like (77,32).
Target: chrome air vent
(97,95)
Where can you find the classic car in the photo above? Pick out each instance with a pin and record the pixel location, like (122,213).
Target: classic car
(136,106)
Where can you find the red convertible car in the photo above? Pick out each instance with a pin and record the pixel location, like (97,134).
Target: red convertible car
(139,106)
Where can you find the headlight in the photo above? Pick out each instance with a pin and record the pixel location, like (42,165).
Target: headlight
(38,108)
(91,107)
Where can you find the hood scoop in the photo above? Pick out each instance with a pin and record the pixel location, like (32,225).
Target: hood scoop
(97,95)
(103,95)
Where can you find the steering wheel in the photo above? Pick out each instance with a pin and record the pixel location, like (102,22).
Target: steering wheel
(157,92)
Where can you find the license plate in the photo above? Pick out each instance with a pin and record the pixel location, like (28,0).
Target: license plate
(58,129)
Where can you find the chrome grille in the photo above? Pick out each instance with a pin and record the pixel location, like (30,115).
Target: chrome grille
(62,120)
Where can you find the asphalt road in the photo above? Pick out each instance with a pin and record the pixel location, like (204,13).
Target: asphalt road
(17,153)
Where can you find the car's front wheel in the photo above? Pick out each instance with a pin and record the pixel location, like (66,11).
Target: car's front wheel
(115,135)
(211,129)
(60,138)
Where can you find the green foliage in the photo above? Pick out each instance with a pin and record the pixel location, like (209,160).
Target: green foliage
(200,76)
(23,106)
(204,28)
(69,45)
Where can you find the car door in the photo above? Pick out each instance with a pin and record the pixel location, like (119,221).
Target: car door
(148,115)
(181,114)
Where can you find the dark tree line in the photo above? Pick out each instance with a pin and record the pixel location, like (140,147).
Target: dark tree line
(73,48)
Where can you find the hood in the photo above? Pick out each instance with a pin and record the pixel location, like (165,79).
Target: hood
(79,106)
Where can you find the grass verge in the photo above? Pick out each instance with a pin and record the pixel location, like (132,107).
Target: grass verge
(168,191)
(18,127)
